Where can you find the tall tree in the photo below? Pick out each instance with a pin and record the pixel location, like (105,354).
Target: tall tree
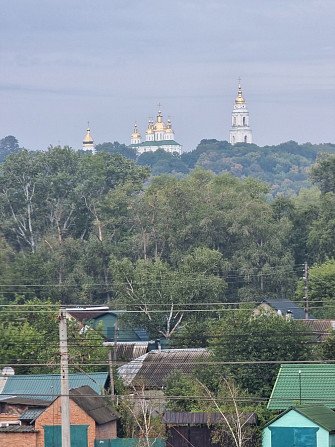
(156,295)
(249,341)
(323,173)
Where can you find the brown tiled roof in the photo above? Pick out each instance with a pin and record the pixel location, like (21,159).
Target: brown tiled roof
(94,405)
(152,369)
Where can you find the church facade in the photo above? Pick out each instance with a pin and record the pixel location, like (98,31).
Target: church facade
(157,136)
(240,131)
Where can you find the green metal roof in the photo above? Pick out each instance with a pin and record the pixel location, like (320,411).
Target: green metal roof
(319,414)
(316,385)
(159,143)
(47,386)
(31,414)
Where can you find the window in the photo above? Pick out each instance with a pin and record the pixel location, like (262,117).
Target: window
(245,139)
(244,121)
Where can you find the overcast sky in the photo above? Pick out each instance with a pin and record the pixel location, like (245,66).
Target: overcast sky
(110,62)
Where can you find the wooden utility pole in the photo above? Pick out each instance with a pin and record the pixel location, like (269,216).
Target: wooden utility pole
(64,366)
(306,290)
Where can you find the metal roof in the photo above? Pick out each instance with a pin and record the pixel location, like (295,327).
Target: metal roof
(31,414)
(47,386)
(315,385)
(175,418)
(98,407)
(320,329)
(285,305)
(152,368)
(320,414)
(13,400)
(18,429)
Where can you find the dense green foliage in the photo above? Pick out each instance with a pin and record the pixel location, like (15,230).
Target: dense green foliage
(175,251)
(8,145)
(285,166)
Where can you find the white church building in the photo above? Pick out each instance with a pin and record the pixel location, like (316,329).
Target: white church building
(240,131)
(158,136)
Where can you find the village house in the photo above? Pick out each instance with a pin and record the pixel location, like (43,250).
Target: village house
(25,424)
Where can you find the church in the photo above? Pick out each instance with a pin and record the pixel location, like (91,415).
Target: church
(158,136)
(240,131)
(88,142)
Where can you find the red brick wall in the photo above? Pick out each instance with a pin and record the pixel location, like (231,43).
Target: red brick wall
(105,431)
(18,439)
(52,416)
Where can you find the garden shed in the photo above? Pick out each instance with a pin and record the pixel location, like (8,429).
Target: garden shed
(301,426)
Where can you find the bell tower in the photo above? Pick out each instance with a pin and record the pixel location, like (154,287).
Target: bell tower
(240,131)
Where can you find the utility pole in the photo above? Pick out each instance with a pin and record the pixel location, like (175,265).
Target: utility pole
(64,373)
(306,290)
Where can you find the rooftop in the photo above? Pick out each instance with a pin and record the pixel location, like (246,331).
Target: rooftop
(153,367)
(285,305)
(94,405)
(47,386)
(315,385)
(320,414)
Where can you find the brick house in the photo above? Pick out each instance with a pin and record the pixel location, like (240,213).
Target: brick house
(91,418)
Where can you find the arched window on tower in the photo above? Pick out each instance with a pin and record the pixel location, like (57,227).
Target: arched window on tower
(245,138)
(234,121)
(244,121)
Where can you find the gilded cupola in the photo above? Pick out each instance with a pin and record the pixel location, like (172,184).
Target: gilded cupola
(239,99)
(88,138)
(135,134)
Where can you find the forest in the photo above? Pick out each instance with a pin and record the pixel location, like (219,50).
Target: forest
(189,256)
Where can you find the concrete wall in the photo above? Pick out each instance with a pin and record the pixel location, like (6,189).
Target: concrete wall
(295,419)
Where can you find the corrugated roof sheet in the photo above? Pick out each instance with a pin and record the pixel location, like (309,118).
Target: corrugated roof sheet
(94,405)
(298,313)
(175,418)
(323,416)
(320,414)
(18,429)
(152,368)
(320,329)
(317,386)
(47,386)
(13,400)
(31,414)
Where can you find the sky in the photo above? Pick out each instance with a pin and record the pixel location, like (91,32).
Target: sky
(111,62)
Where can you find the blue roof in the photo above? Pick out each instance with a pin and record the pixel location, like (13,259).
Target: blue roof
(298,313)
(48,386)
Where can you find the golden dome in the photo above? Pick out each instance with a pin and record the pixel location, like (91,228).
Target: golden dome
(150,127)
(135,134)
(159,125)
(88,138)
(168,127)
(239,99)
